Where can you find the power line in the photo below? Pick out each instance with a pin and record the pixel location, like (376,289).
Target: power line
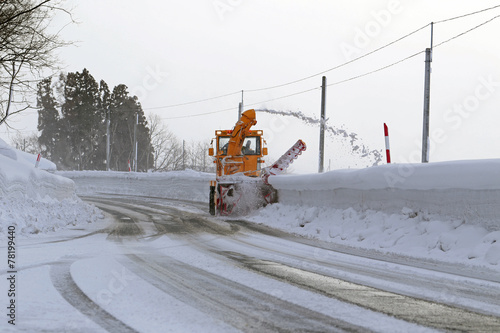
(467,31)
(201,114)
(469,14)
(256,103)
(375,70)
(281,97)
(291,82)
(351,78)
(378,49)
(341,65)
(295,81)
(193,102)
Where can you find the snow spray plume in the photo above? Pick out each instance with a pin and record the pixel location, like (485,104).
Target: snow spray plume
(359,149)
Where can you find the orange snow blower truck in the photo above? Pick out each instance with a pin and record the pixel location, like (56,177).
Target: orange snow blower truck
(241,182)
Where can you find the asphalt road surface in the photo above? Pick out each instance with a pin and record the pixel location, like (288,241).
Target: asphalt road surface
(252,278)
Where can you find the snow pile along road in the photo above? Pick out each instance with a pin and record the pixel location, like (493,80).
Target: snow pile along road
(183,185)
(447,211)
(34,200)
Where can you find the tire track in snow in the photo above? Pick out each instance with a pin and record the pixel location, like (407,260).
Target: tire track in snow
(409,309)
(244,308)
(63,282)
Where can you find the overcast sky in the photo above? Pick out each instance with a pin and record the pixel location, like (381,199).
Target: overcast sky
(173,52)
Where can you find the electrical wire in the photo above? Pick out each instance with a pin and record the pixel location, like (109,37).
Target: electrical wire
(339,66)
(193,102)
(375,70)
(281,97)
(467,31)
(199,114)
(257,103)
(465,15)
(349,79)
(295,81)
(343,64)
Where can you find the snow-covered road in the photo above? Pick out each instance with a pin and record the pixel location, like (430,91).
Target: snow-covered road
(158,265)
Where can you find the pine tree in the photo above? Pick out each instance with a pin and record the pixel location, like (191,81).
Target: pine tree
(124,110)
(83,119)
(48,119)
(72,119)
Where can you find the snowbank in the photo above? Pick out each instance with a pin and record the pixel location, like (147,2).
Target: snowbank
(34,200)
(448,211)
(184,185)
(406,233)
(25,158)
(467,190)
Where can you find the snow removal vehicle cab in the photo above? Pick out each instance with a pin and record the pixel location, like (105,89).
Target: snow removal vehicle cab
(239,149)
(241,181)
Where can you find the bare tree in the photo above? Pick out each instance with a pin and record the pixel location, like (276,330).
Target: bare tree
(26,48)
(197,157)
(167,150)
(27,143)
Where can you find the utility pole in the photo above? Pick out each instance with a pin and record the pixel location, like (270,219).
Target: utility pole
(108,120)
(240,108)
(205,161)
(147,158)
(427,101)
(183,155)
(135,142)
(322,126)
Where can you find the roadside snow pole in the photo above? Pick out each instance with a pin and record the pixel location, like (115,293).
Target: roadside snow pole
(37,161)
(128,162)
(387,147)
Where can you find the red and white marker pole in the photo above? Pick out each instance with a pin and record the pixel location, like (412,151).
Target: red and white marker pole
(387,147)
(128,165)
(37,160)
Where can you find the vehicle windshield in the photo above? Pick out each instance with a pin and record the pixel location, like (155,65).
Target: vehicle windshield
(251,145)
(222,145)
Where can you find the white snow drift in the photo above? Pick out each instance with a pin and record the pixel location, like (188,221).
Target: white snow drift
(449,211)
(34,200)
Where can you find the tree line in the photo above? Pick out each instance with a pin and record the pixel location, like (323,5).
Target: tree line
(73,112)
(73,108)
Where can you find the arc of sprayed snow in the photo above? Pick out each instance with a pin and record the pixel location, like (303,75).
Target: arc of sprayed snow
(314,121)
